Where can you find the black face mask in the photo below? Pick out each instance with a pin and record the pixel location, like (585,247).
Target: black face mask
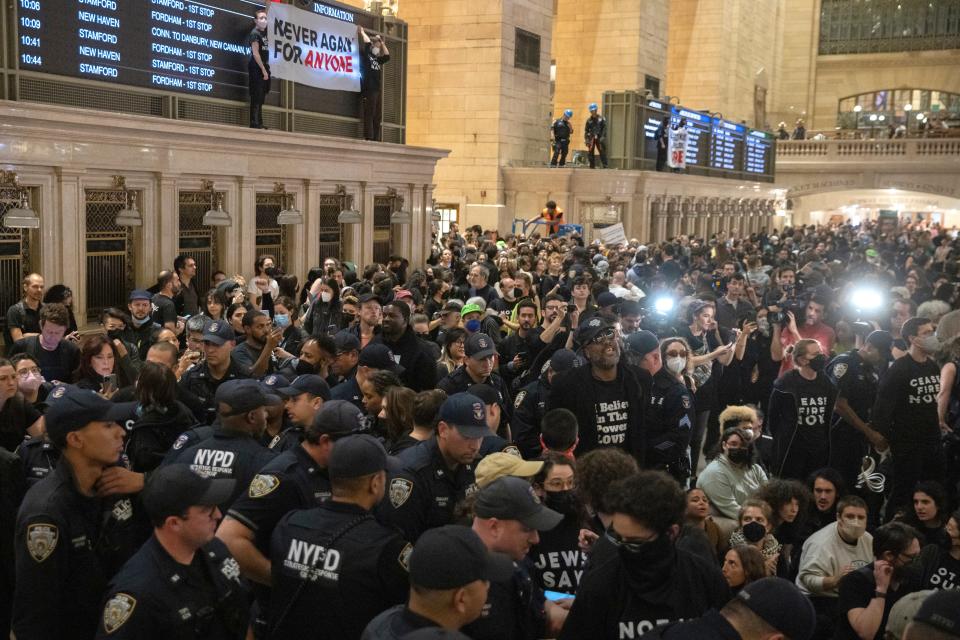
(115,334)
(754,532)
(565,502)
(349,317)
(648,563)
(305,368)
(818,363)
(271,271)
(739,455)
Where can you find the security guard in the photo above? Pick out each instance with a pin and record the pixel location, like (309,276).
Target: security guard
(39,458)
(437,473)
(183,583)
(478,369)
(304,397)
(856,376)
(530,405)
(561,130)
(334,566)
(69,542)
(203,379)
(233,451)
(492,442)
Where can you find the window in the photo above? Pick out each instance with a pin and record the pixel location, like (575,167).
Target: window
(873,26)
(448,213)
(527,51)
(652,84)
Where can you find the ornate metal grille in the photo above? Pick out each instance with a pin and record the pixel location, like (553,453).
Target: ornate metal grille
(271,237)
(109,252)
(196,239)
(382,208)
(14,256)
(331,235)
(873,26)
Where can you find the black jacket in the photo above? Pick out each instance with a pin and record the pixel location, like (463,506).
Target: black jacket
(419,370)
(154,432)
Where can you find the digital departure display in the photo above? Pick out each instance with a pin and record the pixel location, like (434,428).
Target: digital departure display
(726,145)
(758,158)
(195,47)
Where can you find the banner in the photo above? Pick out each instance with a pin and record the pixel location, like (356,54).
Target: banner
(312,49)
(613,235)
(677,149)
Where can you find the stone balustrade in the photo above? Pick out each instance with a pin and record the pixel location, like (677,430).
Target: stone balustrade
(845,150)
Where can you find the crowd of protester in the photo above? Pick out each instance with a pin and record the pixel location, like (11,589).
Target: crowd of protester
(525,437)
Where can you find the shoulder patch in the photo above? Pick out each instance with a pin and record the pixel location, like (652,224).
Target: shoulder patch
(512,450)
(400,490)
(42,539)
(180,441)
(123,509)
(230,568)
(839,370)
(404,557)
(519,399)
(262,484)
(273,443)
(117,611)
(687,403)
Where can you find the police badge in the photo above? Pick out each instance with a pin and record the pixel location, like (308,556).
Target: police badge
(262,484)
(839,370)
(117,611)
(400,490)
(404,557)
(42,540)
(519,400)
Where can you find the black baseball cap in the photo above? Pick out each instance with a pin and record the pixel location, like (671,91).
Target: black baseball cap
(453,556)
(607,299)
(71,408)
(245,395)
(590,329)
(174,488)
(564,360)
(346,341)
(467,413)
(379,356)
(512,498)
(140,294)
(307,383)
(338,418)
(942,611)
(359,455)
(485,392)
(219,332)
(780,604)
(643,342)
(479,346)
(882,341)
(274,383)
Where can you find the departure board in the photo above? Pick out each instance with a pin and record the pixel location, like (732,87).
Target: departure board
(726,145)
(758,158)
(699,126)
(178,45)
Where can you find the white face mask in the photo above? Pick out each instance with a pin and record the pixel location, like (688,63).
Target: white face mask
(852,529)
(30,382)
(326,296)
(676,365)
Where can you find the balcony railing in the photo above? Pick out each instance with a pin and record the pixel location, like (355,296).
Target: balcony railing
(841,150)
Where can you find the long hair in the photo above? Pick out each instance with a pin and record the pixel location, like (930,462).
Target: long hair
(91,346)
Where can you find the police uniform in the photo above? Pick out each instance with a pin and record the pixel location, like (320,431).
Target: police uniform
(669,423)
(201,383)
(39,458)
(458,381)
(528,409)
(154,596)
(348,390)
(561,130)
(858,382)
(288,439)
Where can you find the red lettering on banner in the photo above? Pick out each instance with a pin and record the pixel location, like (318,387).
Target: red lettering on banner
(336,64)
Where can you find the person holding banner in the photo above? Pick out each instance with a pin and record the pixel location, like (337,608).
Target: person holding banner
(373,55)
(662,138)
(595,136)
(258,68)
(677,156)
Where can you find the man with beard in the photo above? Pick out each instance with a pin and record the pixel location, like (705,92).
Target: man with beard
(419,370)
(641,580)
(254,356)
(868,594)
(164,308)
(142,331)
(518,350)
(607,396)
(217,367)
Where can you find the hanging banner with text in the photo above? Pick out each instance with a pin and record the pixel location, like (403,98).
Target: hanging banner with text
(677,148)
(312,49)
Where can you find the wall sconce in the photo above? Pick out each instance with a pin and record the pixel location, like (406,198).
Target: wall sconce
(434,212)
(20,216)
(289,214)
(215,215)
(348,215)
(399,215)
(129,216)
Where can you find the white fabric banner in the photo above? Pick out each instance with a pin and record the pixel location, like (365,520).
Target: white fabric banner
(312,49)
(613,235)
(677,149)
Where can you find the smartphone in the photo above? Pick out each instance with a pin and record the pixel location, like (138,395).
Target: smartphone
(91,332)
(109,381)
(553,596)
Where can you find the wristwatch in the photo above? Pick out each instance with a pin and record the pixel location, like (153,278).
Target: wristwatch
(879,594)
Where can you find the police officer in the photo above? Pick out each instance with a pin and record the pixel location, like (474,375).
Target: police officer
(856,376)
(304,397)
(183,583)
(493,442)
(203,379)
(530,405)
(508,518)
(38,457)
(437,473)
(375,356)
(450,573)
(334,566)
(233,451)
(561,129)
(69,542)
(478,368)
(595,136)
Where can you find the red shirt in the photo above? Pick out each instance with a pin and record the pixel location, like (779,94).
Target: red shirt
(820,332)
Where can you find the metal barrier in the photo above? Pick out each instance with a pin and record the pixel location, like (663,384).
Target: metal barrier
(110,267)
(196,239)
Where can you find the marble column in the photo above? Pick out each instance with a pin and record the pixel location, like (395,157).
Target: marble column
(71,241)
(658,216)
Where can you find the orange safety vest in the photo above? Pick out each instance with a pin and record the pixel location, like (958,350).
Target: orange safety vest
(556,215)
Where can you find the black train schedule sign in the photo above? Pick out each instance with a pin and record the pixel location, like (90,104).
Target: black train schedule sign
(171,45)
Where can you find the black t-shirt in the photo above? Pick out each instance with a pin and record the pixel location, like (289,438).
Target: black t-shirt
(856,592)
(371,69)
(59,363)
(613,413)
(809,412)
(260,38)
(22,317)
(15,417)
(939,569)
(164,310)
(906,408)
(558,560)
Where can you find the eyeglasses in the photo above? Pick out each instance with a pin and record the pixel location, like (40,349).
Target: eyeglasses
(633,544)
(554,307)
(558,484)
(23,373)
(603,336)
(676,354)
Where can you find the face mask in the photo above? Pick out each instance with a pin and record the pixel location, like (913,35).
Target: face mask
(930,343)
(270,271)
(564,502)
(852,530)
(739,455)
(375,51)
(137,322)
(349,317)
(305,368)
(763,326)
(115,334)
(30,383)
(754,532)
(818,363)
(326,296)
(282,320)
(676,365)
(648,562)
(473,326)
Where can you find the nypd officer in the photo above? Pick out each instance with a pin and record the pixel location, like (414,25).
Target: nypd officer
(478,368)
(561,130)
(69,542)
(437,473)
(530,405)
(304,397)
(203,379)
(334,566)
(233,451)
(856,375)
(38,457)
(183,583)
